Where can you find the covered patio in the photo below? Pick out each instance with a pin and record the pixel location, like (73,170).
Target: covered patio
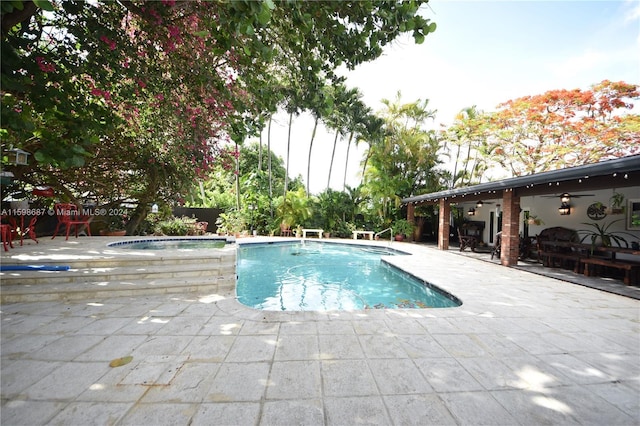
(514,199)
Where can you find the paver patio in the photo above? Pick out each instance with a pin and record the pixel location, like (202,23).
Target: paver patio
(522,349)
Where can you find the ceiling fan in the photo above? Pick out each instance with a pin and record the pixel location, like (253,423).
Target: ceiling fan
(480,203)
(567,195)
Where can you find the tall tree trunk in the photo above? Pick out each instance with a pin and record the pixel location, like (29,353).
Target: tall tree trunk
(466,163)
(346,163)
(260,153)
(335,142)
(364,165)
(286,175)
(455,169)
(237,178)
(313,136)
(269,168)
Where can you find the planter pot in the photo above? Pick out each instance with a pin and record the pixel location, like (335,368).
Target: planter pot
(399,237)
(326,234)
(119,233)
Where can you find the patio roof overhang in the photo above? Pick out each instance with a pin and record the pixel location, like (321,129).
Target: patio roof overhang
(617,173)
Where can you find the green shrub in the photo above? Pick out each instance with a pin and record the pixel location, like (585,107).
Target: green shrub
(175,226)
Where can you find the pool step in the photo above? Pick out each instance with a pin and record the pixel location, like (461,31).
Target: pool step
(220,286)
(112,277)
(114,273)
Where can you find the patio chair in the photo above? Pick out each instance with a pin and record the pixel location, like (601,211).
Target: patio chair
(467,241)
(495,251)
(201,228)
(285,230)
(5,234)
(19,230)
(68,215)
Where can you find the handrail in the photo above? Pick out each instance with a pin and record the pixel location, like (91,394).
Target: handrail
(385,230)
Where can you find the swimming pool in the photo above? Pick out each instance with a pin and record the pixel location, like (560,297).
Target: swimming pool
(314,276)
(171,244)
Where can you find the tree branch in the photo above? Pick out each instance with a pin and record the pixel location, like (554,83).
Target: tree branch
(10,20)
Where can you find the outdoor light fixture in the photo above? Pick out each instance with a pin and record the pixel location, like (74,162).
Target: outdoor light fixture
(564,209)
(479,204)
(18,157)
(154,208)
(471,212)
(565,198)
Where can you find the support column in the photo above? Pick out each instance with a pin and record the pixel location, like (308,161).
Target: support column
(443,224)
(411,217)
(510,249)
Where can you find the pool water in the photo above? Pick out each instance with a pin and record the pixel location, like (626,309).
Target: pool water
(170,244)
(311,276)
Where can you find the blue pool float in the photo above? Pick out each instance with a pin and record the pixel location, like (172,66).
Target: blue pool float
(34,267)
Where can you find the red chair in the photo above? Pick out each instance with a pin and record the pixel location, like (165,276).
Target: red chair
(68,215)
(19,230)
(5,234)
(285,230)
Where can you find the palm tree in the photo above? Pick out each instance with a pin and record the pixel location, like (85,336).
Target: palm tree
(374,133)
(320,106)
(292,107)
(356,123)
(342,99)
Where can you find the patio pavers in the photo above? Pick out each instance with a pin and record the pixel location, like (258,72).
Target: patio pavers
(522,349)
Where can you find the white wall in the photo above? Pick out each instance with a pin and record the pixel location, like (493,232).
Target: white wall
(547,210)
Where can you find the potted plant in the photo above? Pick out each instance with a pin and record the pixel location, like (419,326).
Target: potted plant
(230,223)
(116,225)
(402,228)
(601,235)
(534,220)
(617,203)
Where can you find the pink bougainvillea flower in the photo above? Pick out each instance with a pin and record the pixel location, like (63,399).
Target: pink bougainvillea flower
(44,65)
(173,31)
(108,42)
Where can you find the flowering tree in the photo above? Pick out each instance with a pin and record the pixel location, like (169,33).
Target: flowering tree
(134,97)
(563,128)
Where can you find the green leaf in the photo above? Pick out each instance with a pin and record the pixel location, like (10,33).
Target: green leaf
(432,27)
(17,4)
(119,362)
(270,4)
(44,5)
(265,15)
(418,37)
(39,156)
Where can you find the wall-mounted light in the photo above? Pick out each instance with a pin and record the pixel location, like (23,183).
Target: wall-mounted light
(564,209)
(471,212)
(479,204)
(565,198)
(154,208)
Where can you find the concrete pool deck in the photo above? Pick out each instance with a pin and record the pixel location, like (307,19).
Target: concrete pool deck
(522,349)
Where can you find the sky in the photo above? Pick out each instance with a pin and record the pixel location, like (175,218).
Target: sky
(483,53)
